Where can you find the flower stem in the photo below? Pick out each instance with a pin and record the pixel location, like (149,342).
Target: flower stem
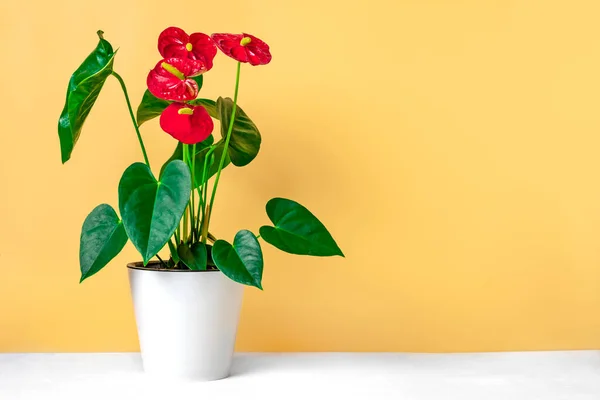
(193,168)
(224,153)
(187,159)
(204,197)
(135,125)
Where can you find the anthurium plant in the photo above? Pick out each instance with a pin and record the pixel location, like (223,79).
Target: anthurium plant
(172,206)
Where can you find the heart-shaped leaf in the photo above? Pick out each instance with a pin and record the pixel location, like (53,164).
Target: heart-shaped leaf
(102,238)
(151,106)
(152,209)
(297,230)
(245,137)
(194,256)
(242,262)
(83,90)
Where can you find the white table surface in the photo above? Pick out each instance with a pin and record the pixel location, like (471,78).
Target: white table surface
(477,376)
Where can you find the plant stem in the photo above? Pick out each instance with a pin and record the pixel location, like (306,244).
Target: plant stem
(161,261)
(193,167)
(135,125)
(185,223)
(225,148)
(204,198)
(188,162)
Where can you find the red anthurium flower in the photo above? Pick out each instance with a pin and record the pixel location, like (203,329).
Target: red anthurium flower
(186,123)
(243,48)
(170,79)
(174,42)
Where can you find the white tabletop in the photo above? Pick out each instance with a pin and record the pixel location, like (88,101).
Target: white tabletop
(477,376)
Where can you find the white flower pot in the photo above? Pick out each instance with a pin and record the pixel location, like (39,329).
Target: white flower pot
(186,320)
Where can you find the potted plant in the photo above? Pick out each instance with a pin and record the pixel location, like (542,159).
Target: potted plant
(187,305)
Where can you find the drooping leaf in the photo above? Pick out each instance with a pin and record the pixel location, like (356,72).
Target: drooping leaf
(245,137)
(297,230)
(83,90)
(242,261)
(151,209)
(151,106)
(102,238)
(194,256)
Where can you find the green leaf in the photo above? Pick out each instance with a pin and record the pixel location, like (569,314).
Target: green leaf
(242,262)
(173,250)
(195,257)
(297,230)
(152,209)
(210,106)
(150,107)
(83,90)
(201,152)
(245,137)
(102,238)
(199,80)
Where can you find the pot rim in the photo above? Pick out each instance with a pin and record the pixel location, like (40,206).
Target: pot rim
(140,266)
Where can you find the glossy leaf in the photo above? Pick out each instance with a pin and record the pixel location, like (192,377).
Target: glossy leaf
(194,256)
(297,230)
(102,238)
(151,106)
(210,106)
(152,209)
(83,90)
(242,261)
(245,137)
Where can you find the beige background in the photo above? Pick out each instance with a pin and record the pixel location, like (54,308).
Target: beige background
(450,146)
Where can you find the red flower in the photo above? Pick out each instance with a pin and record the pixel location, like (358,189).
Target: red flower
(243,48)
(170,79)
(186,123)
(175,43)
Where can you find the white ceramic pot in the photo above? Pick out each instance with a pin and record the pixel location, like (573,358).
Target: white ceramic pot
(186,320)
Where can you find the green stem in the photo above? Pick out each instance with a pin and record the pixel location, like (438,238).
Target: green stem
(226,147)
(162,262)
(135,125)
(203,198)
(188,162)
(185,224)
(193,166)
